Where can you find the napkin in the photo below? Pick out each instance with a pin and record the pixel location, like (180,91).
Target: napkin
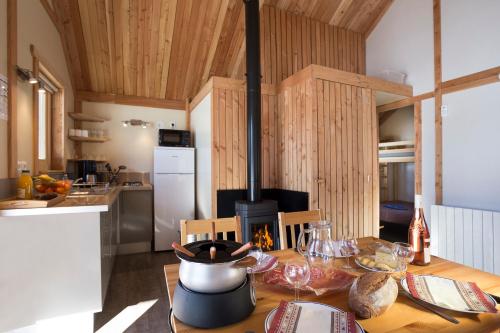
(457,295)
(293,318)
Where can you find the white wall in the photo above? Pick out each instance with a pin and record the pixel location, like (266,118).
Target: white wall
(131,146)
(470,36)
(403,41)
(202,136)
(33,27)
(471,159)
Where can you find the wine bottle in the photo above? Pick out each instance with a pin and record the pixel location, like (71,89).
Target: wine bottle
(418,235)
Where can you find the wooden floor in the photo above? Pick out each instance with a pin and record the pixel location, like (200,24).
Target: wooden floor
(137,278)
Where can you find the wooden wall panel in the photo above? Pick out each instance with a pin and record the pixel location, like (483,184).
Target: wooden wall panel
(229,140)
(319,135)
(291,42)
(327,146)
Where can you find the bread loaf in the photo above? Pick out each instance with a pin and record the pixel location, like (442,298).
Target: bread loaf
(372,293)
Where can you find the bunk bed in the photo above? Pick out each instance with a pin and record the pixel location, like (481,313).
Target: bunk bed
(397,212)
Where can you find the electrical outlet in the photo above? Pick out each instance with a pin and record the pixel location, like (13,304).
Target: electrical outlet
(171,123)
(444,110)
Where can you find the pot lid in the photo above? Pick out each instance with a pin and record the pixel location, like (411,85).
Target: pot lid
(201,250)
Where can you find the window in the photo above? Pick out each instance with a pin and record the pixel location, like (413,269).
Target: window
(48,119)
(42,126)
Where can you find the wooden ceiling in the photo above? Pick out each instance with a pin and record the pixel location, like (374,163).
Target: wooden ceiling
(167,49)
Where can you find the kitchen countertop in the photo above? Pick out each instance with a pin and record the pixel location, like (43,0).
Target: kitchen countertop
(78,204)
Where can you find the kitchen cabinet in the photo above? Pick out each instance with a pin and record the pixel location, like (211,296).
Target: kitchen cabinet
(136,221)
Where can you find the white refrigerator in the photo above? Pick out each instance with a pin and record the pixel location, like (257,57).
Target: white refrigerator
(174,194)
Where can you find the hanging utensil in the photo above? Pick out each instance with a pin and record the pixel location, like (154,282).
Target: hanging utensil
(242,249)
(182,249)
(213,250)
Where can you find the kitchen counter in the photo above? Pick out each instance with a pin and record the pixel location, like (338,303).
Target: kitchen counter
(78,204)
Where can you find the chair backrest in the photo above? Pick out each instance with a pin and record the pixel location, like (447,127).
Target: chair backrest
(292,219)
(224,225)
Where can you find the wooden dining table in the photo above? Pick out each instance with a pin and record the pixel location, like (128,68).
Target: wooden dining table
(402,316)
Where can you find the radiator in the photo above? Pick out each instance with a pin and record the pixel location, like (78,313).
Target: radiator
(466,236)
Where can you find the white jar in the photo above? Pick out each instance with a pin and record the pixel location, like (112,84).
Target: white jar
(78,132)
(72,132)
(85,133)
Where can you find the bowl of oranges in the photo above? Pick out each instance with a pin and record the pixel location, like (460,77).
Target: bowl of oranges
(47,184)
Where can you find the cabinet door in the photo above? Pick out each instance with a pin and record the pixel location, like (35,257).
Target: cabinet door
(347,157)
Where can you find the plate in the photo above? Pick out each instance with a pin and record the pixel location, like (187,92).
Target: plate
(404,284)
(313,306)
(374,269)
(265,264)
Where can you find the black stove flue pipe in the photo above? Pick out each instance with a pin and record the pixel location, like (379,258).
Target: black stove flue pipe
(253,99)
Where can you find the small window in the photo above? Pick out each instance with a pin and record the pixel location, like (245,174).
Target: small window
(42,125)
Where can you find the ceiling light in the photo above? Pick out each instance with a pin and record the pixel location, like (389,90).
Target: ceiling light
(26,75)
(136,122)
(32,79)
(41,88)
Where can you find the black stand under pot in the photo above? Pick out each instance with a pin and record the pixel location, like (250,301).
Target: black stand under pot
(213,310)
(203,307)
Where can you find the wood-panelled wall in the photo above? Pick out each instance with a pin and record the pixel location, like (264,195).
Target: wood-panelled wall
(292,42)
(327,138)
(229,139)
(319,135)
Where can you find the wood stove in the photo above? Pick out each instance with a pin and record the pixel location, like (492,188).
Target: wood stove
(259,218)
(259,222)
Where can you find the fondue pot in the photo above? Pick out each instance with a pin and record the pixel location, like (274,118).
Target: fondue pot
(205,275)
(214,292)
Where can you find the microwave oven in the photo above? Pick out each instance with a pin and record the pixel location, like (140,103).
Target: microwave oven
(174,138)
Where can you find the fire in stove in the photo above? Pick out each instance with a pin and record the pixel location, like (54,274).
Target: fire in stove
(262,237)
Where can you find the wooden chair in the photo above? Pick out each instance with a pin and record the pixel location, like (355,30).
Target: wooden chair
(293,219)
(224,225)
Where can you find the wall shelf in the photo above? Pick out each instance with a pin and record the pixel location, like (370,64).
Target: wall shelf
(88,139)
(86,117)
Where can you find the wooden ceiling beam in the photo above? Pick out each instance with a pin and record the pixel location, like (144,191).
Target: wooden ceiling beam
(74,12)
(52,14)
(59,20)
(91,96)
(215,40)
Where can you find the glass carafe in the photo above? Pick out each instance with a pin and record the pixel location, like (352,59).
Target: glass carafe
(319,250)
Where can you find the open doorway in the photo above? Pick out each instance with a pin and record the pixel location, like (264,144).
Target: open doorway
(396,169)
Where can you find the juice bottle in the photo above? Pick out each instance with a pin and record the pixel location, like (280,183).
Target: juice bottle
(24,185)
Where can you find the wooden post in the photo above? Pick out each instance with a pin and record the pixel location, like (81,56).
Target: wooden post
(417,123)
(12,89)
(77,124)
(188,115)
(437,103)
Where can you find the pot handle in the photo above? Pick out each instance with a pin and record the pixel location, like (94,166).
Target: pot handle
(299,241)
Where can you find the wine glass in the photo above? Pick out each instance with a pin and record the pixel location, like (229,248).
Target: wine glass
(348,248)
(297,273)
(404,253)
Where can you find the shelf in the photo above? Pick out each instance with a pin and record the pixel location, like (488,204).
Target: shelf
(86,117)
(400,159)
(89,139)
